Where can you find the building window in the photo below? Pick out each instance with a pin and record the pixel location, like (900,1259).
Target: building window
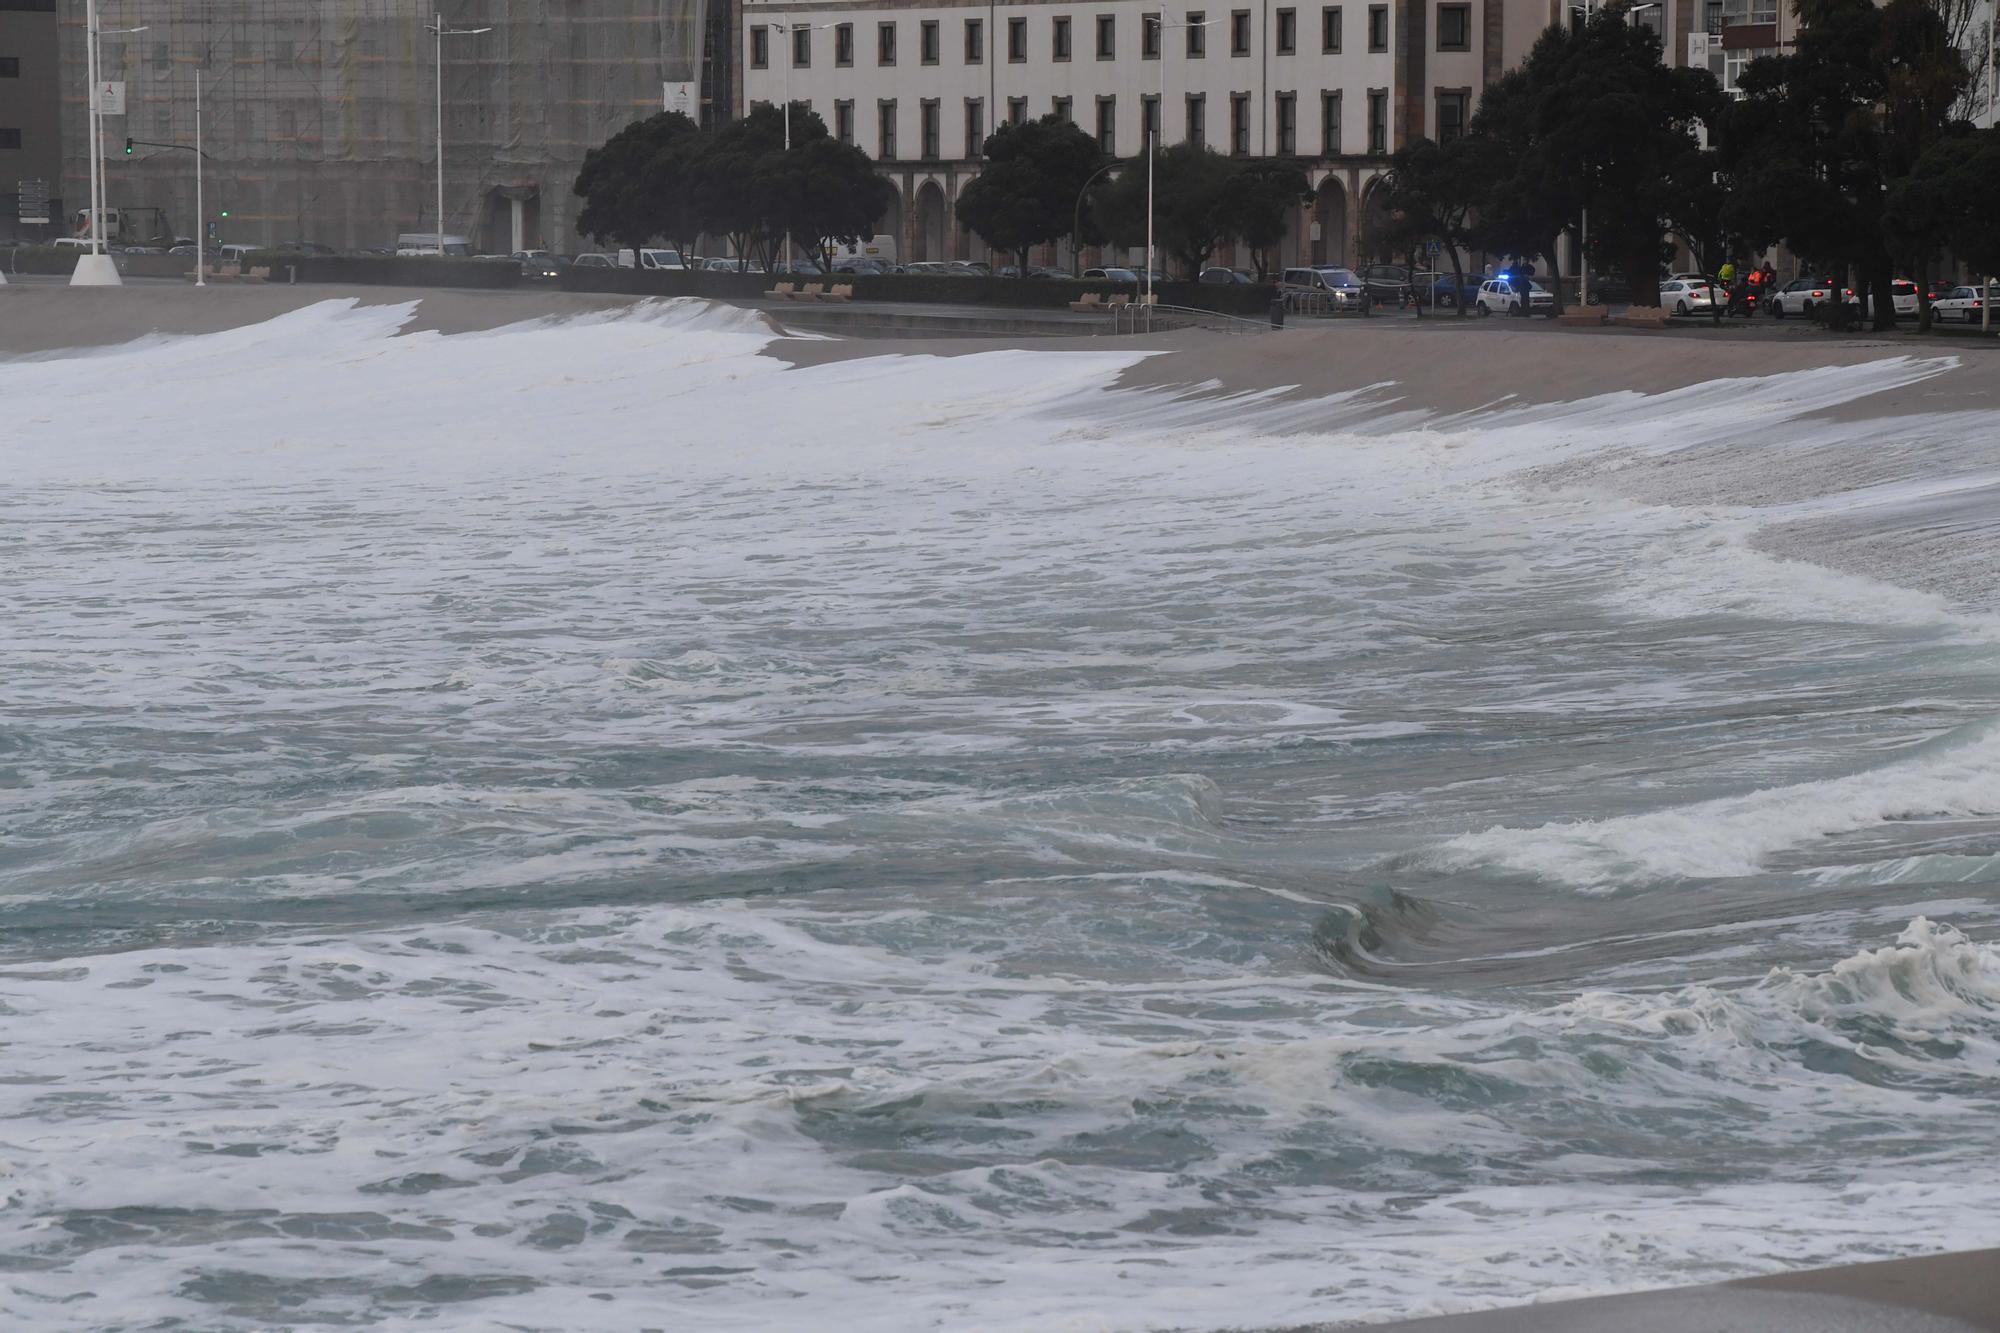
(1239,33)
(1017,111)
(1149,36)
(927,41)
(10,67)
(885,43)
(1063,109)
(975,128)
(760,47)
(1378,120)
(1239,124)
(975,42)
(885,133)
(843,45)
(1452,106)
(9,138)
(930,119)
(843,122)
(1454,27)
(1378,27)
(802,48)
(1107,36)
(1107,126)
(1329,30)
(1059,38)
(1329,124)
(1288,124)
(1017,41)
(1149,114)
(1288,32)
(1197,119)
(1197,35)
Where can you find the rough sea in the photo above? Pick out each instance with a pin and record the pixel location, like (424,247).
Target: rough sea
(586,827)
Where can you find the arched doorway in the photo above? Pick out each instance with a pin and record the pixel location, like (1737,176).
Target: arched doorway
(930,235)
(1329,223)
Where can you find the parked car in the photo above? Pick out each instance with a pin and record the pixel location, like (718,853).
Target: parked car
(1801,295)
(1217,276)
(1902,296)
(929,268)
(1688,296)
(1450,291)
(540,270)
(729,265)
(304,248)
(860,268)
(1338,284)
(1965,305)
(1388,284)
(1111,275)
(1504,295)
(593,261)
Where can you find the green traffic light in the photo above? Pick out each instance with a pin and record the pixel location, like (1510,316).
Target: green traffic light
(128,148)
(225,212)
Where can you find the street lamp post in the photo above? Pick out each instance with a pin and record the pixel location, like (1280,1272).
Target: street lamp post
(440,32)
(96,268)
(1160,25)
(791,54)
(1583,231)
(200,207)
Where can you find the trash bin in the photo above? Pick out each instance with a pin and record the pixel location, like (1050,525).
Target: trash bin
(1277,312)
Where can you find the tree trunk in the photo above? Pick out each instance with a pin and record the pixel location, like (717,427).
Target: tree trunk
(1924,271)
(1555,277)
(1642,274)
(1457,282)
(1881,277)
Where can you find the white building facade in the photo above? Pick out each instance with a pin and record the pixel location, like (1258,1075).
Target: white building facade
(1338,87)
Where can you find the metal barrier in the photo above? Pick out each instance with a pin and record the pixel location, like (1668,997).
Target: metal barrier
(1140,318)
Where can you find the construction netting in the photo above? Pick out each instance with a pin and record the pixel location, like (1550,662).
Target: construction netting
(320,120)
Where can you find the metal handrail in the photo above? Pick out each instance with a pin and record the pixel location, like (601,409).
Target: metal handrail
(1228,323)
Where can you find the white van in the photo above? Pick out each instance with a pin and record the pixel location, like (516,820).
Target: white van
(426,243)
(662,261)
(881,249)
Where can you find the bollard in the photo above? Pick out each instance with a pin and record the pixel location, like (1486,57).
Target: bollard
(1277,312)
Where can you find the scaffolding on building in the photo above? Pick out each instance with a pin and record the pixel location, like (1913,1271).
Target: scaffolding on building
(320,117)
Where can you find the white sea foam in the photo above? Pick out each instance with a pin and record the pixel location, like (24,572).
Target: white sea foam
(969,749)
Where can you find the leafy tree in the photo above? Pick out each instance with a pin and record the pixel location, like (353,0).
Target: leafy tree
(823,193)
(727,194)
(1026,195)
(1432,192)
(1194,203)
(636,185)
(1950,199)
(1529,196)
(1261,197)
(1826,131)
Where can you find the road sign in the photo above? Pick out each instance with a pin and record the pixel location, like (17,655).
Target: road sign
(34,202)
(111,99)
(1433,247)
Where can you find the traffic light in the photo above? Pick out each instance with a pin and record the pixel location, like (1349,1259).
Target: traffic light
(225,212)
(128,148)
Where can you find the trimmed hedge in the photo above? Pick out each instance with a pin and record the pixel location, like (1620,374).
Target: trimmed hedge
(389,271)
(59,260)
(916,289)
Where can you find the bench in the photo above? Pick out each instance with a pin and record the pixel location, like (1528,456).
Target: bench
(1646,317)
(783,291)
(1589,316)
(1090,301)
(810,291)
(841,292)
(1120,299)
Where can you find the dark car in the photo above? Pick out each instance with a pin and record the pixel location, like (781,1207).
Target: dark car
(1387,284)
(1449,292)
(1216,276)
(540,269)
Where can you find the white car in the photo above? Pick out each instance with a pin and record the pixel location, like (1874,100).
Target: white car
(1964,304)
(594,261)
(1342,288)
(1902,294)
(1504,295)
(1799,296)
(1686,297)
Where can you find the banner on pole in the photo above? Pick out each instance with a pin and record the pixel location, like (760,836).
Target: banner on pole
(110,99)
